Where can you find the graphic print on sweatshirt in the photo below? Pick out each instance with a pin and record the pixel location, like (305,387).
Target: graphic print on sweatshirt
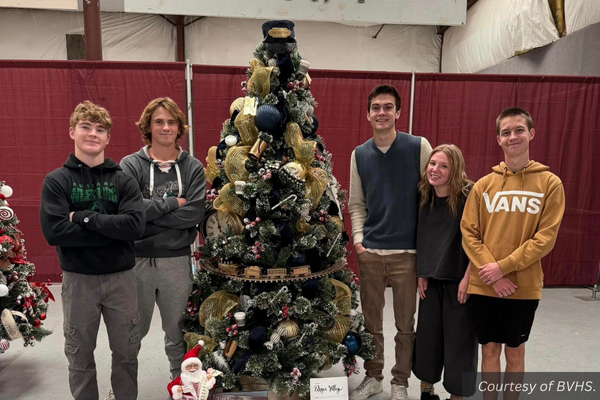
(167,189)
(93,193)
(514,201)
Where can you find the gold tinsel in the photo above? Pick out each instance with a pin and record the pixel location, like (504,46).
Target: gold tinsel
(217,305)
(316,183)
(235,163)
(340,327)
(303,149)
(211,171)
(228,201)
(191,339)
(343,297)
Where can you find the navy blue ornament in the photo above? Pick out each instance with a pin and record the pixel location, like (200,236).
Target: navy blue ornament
(352,343)
(267,118)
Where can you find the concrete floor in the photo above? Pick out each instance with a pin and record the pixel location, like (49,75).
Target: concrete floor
(565,337)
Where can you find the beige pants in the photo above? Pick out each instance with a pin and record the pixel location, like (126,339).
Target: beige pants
(401,270)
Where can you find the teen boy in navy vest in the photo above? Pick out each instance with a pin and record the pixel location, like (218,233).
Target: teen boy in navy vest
(384,174)
(92,212)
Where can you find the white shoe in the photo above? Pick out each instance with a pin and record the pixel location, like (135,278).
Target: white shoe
(368,387)
(399,392)
(110,396)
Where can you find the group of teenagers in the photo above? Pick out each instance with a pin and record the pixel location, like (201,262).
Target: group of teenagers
(123,234)
(471,251)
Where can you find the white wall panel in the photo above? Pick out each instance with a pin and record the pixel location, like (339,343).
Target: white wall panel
(495,31)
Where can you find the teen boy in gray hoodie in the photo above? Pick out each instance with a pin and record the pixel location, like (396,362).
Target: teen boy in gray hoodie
(173,187)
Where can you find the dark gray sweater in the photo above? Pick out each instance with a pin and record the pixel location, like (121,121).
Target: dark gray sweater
(170,230)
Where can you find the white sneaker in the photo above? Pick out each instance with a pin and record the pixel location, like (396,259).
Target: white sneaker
(399,392)
(110,396)
(368,387)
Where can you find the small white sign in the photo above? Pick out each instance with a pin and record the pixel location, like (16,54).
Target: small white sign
(329,388)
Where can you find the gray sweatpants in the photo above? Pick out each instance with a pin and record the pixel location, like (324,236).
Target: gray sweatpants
(168,283)
(84,299)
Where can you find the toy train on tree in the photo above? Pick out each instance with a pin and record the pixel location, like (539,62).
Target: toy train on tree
(254,272)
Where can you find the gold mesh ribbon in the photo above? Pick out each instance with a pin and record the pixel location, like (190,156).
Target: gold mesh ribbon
(343,297)
(235,163)
(191,339)
(228,201)
(237,105)
(217,305)
(340,327)
(295,169)
(211,165)
(339,227)
(316,183)
(303,149)
(226,218)
(246,128)
(260,81)
(302,226)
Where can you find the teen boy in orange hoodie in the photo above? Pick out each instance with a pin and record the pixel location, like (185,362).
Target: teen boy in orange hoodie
(509,224)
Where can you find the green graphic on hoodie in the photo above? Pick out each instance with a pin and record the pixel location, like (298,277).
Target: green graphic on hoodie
(93,193)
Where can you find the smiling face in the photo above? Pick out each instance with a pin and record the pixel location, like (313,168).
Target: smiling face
(382,114)
(90,138)
(163,128)
(191,368)
(438,171)
(514,136)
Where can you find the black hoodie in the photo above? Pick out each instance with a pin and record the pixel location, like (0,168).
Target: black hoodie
(108,216)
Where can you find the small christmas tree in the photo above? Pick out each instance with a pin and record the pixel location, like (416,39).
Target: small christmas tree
(23,303)
(273,299)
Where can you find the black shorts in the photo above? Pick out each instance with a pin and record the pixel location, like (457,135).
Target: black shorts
(499,320)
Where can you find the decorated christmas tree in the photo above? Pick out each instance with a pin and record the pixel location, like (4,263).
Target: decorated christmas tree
(273,299)
(23,303)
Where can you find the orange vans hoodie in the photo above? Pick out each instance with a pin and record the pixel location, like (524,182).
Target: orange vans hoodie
(513,219)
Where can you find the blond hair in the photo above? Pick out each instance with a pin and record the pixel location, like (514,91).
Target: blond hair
(459,183)
(168,104)
(90,112)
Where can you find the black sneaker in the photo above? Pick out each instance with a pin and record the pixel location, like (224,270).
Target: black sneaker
(429,396)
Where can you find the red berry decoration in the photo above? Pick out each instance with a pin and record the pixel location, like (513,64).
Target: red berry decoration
(43,316)
(290,85)
(37,323)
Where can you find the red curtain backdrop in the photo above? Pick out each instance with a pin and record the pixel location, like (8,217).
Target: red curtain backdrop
(462,109)
(38,98)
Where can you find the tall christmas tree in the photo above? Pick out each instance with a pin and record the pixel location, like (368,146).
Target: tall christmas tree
(23,303)
(273,299)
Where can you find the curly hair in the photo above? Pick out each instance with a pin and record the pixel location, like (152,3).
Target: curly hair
(459,183)
(144,124)
(88,111)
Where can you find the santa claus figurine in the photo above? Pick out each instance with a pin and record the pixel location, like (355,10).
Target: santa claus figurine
(193,383)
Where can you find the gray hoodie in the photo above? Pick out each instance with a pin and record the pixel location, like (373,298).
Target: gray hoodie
(170,230)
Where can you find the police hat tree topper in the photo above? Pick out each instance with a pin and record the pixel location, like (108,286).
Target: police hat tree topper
(273,298)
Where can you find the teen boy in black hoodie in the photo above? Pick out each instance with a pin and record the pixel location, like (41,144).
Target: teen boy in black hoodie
(92,211)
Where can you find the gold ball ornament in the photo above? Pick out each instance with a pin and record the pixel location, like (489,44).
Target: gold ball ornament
(288,329)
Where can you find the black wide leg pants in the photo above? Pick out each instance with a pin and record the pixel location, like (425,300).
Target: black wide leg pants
(445,340)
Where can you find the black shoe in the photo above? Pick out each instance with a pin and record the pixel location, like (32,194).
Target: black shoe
(429,396)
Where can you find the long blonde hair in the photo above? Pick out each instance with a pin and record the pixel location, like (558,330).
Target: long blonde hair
(459,183)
